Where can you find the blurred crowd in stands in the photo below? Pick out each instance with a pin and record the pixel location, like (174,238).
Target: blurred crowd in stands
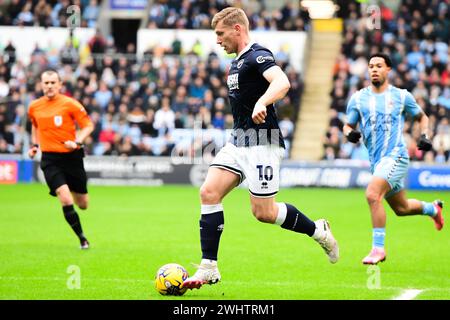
(417,39)
(196,14)
(167,14)
(143,106)
(48,13)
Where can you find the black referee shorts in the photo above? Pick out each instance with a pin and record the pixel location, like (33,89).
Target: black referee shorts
(64,168)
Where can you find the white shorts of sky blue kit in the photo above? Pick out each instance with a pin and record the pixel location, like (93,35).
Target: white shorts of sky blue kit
(394,171)
(260,165)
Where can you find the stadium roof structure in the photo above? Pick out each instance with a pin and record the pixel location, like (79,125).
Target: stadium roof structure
(320,9)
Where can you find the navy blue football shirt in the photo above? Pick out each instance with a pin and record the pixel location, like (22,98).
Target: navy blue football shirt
(246,84)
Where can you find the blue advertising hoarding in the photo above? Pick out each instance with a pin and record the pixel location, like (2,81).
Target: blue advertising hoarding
(127,4)
(429,178)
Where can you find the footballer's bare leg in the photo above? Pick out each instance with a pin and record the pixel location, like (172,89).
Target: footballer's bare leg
(81,200)
(287,216)
(66,199)
(264,209)
(403,206)
(375,192)
(218,183)
(64,195)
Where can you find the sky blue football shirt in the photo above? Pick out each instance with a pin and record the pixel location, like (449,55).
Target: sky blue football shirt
(381,118)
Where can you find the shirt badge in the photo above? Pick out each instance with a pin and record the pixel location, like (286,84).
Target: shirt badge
(58,120)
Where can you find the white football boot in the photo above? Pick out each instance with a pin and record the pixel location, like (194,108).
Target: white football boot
(207,273)
(326,240)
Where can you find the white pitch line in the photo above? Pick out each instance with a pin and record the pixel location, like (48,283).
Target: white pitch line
(408,294)
(65,279)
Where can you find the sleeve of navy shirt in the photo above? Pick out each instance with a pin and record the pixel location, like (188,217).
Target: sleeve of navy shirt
(262,59)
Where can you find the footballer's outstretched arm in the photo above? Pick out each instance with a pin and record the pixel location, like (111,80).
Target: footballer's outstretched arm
(279,86)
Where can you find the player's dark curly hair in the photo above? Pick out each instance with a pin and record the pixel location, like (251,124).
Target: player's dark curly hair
(386,58)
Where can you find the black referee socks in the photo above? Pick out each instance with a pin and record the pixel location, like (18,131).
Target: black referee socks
(73,220)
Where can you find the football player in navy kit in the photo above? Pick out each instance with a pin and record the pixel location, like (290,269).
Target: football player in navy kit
(254,151)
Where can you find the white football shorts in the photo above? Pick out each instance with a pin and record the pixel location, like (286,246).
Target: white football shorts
(260,165)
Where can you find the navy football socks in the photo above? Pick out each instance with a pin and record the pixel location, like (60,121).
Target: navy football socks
(211,227)
(298,222)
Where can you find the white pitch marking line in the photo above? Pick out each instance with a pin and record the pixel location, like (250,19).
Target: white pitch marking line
(63,279)
(408,294)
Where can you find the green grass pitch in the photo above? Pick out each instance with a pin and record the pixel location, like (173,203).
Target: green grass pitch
(135,230)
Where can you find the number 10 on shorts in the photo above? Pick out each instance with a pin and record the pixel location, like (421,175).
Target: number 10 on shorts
(265,172)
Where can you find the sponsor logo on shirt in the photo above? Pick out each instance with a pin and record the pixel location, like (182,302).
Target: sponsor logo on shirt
(261,59)
(233,81)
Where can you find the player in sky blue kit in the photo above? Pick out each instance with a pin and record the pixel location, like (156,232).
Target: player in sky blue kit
(380,111)
(254,151)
